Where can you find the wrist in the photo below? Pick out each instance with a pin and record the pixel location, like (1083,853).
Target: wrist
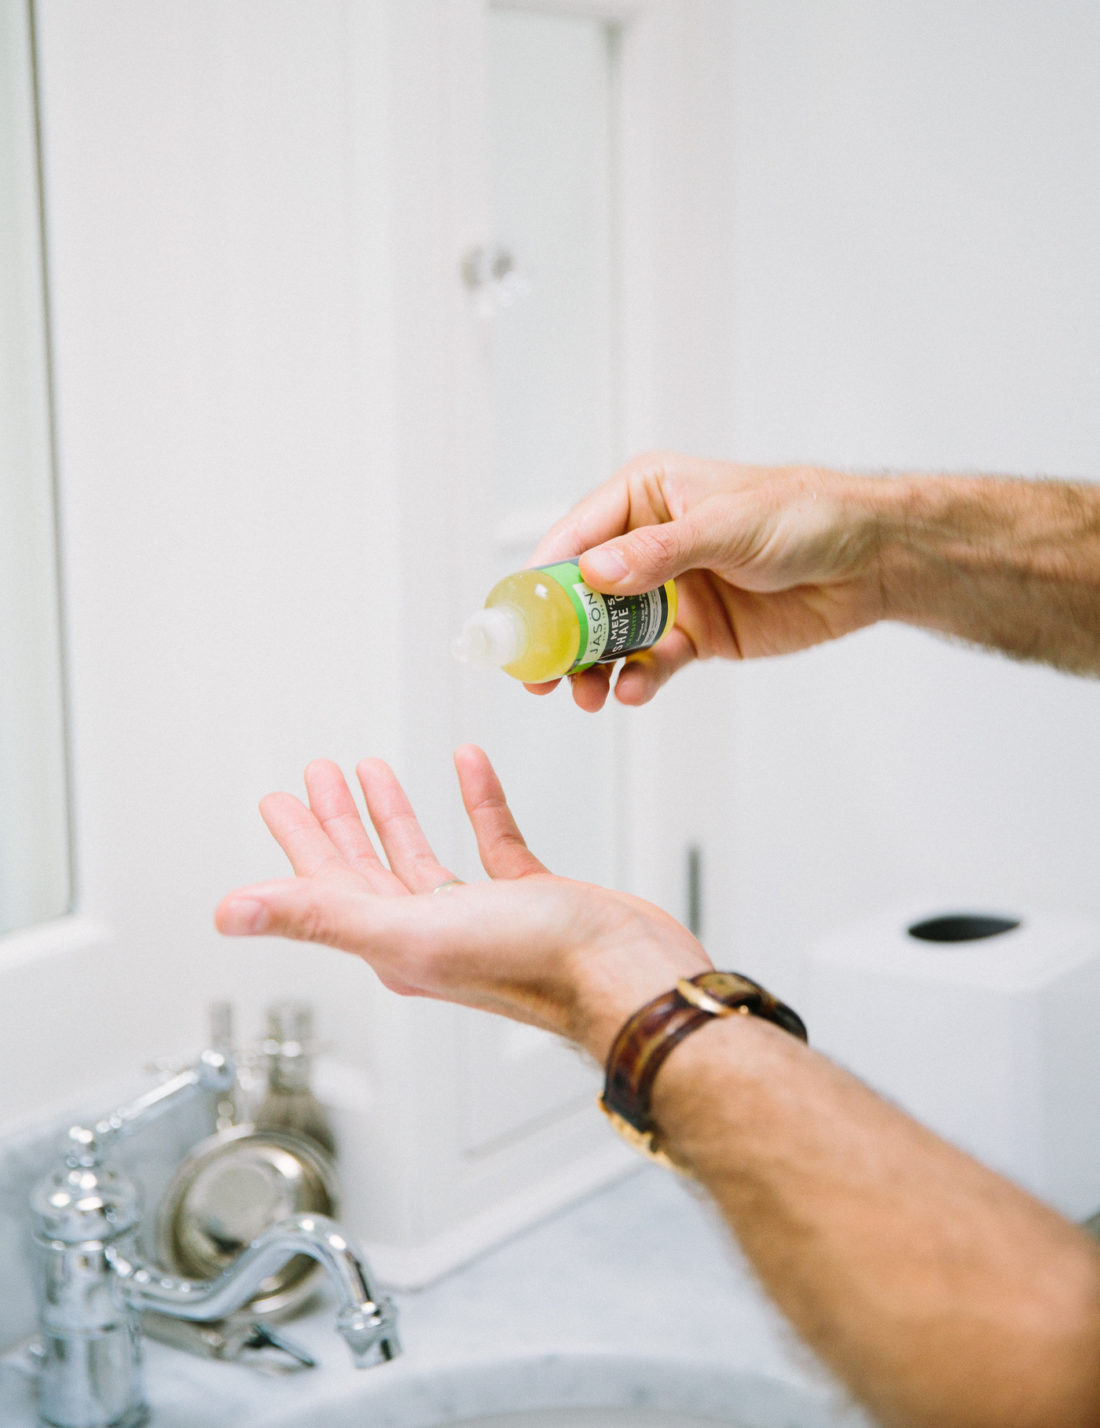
(654,1033)
(953,547)
(864,521)
(605,1010)
(907,513)
(610,985)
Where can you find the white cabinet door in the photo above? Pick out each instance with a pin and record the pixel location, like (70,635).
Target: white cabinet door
(546,291)
(537,155)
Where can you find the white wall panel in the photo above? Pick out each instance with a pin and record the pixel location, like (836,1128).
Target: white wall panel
(915,285)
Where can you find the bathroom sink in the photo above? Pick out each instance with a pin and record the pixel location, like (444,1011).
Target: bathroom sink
(352,1414)
(677,1337)
(566,1391)
(591,1418)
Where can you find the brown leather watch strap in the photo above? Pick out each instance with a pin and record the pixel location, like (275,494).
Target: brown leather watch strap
(639,1052)
(646,1038)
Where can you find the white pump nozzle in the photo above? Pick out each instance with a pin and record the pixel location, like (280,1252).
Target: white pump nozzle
(491,637)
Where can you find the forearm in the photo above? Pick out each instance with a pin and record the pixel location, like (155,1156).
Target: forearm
(1013,565)
(942,1295)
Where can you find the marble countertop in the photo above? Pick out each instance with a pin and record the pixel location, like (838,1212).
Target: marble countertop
(633,1296)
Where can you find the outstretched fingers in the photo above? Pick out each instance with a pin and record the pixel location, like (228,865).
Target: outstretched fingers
(408,850)
(301,837)
(332,804)
(501,846)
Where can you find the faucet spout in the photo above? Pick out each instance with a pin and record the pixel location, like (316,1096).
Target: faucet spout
(367,1321)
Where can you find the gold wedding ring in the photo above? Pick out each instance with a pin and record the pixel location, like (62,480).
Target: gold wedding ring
(450,883)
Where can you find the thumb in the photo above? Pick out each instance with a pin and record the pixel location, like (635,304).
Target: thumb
(648,556)
(298,908)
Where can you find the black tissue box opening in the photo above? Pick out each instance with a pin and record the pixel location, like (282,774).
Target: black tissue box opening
(961,927)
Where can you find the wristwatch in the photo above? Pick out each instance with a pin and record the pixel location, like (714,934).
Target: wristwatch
(647,1037)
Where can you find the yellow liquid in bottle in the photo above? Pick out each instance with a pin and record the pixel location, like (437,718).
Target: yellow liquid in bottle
(553,631)
(552,627)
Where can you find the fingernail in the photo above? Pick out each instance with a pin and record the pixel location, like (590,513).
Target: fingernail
(605,565)
(242,916)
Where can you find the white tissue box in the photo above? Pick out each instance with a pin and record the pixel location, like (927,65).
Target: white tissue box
(993,1040)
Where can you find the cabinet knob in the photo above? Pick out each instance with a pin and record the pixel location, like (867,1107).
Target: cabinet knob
(491,274)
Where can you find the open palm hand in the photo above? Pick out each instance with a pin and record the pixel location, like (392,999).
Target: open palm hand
(568,956)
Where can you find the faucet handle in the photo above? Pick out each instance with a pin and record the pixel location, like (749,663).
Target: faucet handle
(85,1147)
(237,1337)
(84,1199)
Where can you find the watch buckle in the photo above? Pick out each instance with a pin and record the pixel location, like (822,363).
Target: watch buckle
(644,1141)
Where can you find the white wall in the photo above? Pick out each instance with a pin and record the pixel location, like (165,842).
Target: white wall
(915,285)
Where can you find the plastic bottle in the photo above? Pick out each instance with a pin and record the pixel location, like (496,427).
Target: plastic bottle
(546,622)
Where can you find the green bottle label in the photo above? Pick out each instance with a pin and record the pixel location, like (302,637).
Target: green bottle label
(611,625)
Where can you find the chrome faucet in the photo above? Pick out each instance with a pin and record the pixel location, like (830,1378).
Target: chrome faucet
(92,1284)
